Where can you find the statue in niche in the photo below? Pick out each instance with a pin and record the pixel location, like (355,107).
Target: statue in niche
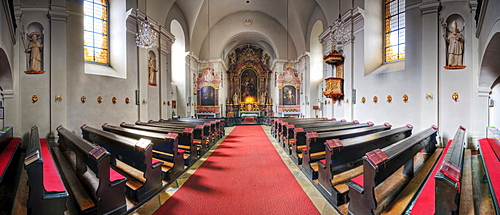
(455,41)
(235,99)
(35,49)
(152,70)
(263,98)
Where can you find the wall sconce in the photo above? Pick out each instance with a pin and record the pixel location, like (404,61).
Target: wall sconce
(346,100)
(144,101)
(99,99)
(164,102)
(363,99)
(405,98)
(113,100)
(83,99)
(34,98)
(428,96)
(454,96)
(58,98)
(168,103)
(127,100)
(389,98)
(375,99)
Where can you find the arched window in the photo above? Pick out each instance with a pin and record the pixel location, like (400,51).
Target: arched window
(96,22)
(394,30)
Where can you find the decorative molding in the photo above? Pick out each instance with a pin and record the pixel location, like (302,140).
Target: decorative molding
(483,91)
(8,94)
(58,13)
(428,8)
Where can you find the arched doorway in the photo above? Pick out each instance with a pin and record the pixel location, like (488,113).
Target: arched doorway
(5,81)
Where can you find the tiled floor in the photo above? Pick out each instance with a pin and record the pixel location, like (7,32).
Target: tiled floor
(318,200)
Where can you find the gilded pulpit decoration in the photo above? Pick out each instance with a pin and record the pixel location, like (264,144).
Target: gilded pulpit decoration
(35,49)
(334,85)
(454,41)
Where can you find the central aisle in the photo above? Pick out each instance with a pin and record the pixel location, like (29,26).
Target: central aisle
(244,175)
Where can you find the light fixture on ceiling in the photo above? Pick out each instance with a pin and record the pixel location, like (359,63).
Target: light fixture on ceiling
(339,35)
(147,37)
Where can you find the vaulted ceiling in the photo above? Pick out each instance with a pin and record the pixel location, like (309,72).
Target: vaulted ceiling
(214,27)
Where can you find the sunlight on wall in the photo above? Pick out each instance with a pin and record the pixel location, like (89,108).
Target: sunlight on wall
(316,53)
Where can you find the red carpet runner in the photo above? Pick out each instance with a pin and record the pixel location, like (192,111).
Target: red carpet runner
(244,175)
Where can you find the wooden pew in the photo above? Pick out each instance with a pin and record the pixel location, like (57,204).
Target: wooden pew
(104,194)
(47,194)
(440,186)
(288,133)
(277,127)
(134,160)
(372,191)
(299,136)
(165,145)
(8,150)
(201,132)
(315,145)
(212,126)
(489,149)
(194,148)
(220,122)
(342,156)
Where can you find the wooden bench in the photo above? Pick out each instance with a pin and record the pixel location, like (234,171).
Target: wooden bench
(285,130)
(134,159)
(201,134)
(165,145)
(193,148)
(315,145)
(104,194)
(211,126)
(381,181)
(47,194)
(299,136)
(8,150)
(220,122)
(344,157)
(277,127)
(490,154)
(440,193)
(288,134)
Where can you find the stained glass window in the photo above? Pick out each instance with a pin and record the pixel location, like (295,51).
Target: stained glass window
(96,24)
(394,30)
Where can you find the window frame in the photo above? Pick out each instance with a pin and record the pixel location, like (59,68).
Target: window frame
(105,33)
(387,15)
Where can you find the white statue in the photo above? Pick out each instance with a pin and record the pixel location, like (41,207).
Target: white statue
(263,98)
(35,48)
(235,99)
(455,42)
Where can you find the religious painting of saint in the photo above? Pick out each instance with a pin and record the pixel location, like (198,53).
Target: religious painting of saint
(174,104)
(248,86)
(207,96)
(289,95)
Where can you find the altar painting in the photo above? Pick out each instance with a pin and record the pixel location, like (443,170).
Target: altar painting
(248,86)
(289,95)
(207,96)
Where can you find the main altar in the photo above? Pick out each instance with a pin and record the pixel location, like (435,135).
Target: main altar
(248,91)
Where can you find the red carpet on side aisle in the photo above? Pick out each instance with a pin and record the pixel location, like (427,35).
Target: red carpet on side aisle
(244,175)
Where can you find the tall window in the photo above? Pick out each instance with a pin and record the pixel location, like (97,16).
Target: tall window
(394,30)
(96,24)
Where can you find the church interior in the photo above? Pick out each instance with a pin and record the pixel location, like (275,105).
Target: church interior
(138,106)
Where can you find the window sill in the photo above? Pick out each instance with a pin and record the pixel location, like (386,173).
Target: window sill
(389,67)
(102,70)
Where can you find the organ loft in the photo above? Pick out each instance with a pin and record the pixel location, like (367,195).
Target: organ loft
(249,107)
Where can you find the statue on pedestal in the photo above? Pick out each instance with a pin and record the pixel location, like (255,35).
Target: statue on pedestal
(455,41)
(235,99)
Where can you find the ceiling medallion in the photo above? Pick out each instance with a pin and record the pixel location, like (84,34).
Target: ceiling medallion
(248,21)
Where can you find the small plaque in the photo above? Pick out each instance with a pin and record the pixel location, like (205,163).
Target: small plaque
(97,152)
(198,126)
(171,135)
(32,157)
(451,171)
(299,129)
(376,156)
(188,130)
(334,143)
(143,143)
(312,135)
